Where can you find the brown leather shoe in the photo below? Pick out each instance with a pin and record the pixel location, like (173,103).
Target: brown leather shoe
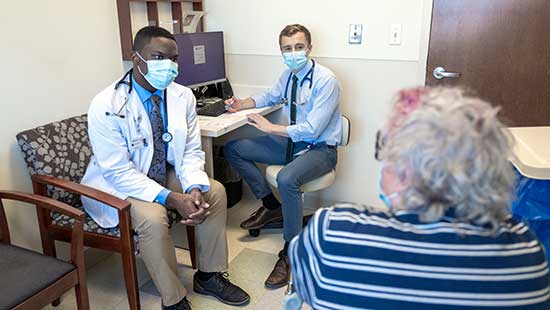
(261,217)
(280,274)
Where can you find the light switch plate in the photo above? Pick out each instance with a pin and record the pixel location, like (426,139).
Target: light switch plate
(395,34)
(355,33)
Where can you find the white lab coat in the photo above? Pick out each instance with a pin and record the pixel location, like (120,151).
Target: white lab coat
(121,160)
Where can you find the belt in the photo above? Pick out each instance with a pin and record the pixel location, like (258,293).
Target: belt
(310,145)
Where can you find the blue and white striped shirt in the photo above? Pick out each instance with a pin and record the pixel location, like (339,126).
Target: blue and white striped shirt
(352,257)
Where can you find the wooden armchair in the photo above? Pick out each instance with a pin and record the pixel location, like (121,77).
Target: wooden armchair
(57,155)
(30,280)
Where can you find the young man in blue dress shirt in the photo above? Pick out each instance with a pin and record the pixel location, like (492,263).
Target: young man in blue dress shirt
(307,146)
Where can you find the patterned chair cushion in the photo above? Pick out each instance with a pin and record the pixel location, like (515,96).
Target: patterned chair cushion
(89,224)
(62,149)
(59,149)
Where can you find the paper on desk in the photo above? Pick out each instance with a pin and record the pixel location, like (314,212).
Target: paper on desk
(227,119)
(221,121)
(242,113)
(256,110)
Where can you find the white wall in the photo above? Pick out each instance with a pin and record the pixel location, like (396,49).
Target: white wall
(329,22)
(369,74)
(56,55)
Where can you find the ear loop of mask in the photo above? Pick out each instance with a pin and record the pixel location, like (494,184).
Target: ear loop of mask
(145,61)
(387,199)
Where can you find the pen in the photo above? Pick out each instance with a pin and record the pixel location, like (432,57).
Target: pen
(227,107)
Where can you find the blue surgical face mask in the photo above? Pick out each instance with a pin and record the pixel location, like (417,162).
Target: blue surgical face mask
(295,60)
(385,198)
(160,73)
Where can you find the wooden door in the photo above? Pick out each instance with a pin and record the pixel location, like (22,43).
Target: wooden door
(501,48)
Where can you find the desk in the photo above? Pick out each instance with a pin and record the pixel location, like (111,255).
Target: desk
(213,127)
(531,152)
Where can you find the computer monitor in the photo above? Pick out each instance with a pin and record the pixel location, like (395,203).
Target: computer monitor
(201,58)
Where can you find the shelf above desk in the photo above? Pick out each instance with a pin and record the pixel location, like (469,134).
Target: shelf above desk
(125,19)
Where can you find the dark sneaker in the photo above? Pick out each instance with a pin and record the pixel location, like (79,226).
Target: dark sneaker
(182,305)
(261,217)
(220,287)
(280,274)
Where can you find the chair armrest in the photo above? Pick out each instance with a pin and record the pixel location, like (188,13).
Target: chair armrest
(4,231)
(108,199)
(44,202)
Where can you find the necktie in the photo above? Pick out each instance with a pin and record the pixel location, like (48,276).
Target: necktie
(157,171)
(290,144)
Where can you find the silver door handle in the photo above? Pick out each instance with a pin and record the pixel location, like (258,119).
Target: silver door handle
(440,73)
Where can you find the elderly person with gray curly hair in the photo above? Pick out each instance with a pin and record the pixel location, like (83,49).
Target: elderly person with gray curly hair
(447,240)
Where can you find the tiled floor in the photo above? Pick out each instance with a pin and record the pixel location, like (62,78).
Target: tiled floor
(106,285)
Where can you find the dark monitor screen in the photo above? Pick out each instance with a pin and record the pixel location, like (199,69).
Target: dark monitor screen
(201,58)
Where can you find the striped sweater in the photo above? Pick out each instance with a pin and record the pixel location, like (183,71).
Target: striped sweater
(351,257)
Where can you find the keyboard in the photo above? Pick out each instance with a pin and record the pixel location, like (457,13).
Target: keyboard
(210,107)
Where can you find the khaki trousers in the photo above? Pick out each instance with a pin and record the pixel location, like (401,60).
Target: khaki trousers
(150,222)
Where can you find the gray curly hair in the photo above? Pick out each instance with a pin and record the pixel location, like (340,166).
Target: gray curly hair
(455,151)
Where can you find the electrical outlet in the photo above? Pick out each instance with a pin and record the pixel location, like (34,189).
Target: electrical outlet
(355,33)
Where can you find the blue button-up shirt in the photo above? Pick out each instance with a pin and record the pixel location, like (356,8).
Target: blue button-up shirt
(318,116)
(145,97)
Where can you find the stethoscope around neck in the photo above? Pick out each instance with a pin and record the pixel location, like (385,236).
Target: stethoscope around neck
(307,77)
(126,80)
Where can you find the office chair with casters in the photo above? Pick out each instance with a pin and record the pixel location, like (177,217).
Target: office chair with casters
(318,184)
(30,280)
(57,155)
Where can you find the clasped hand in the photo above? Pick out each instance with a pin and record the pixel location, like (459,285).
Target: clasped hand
(192,207)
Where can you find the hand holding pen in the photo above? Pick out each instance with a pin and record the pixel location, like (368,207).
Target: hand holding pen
(235,104)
